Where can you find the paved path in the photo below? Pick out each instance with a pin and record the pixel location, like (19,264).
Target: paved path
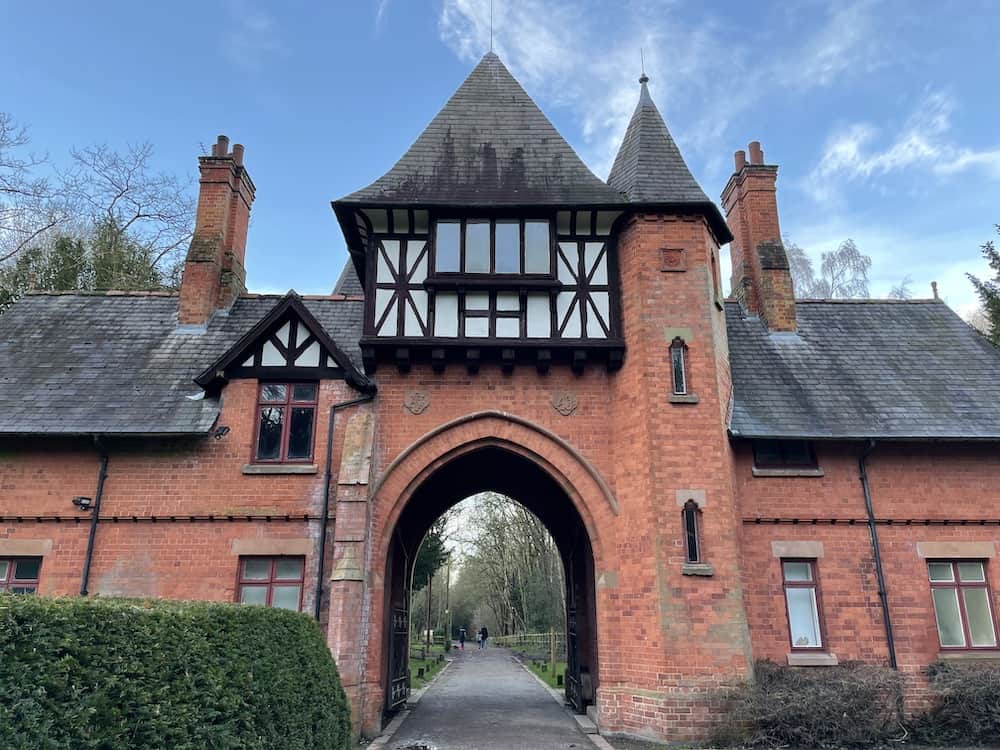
(487,701)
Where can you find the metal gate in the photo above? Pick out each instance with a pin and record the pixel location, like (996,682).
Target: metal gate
(399,660)
(574,689)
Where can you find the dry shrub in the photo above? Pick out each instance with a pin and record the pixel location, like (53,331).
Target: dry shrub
(847,706)
(966,706)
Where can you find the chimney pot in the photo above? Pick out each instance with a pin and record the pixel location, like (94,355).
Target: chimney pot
(756,153)
(238,154)
(934,289)
(740,157)
(222,146)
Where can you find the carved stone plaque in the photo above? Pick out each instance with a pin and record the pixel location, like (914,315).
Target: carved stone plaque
(564,402)
(416,402)
(672,259)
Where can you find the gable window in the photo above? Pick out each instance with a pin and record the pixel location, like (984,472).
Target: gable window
(802,604)
(493,246)
(271,581)
(962,604)
(692,532)
(286,419)
(783,454)
(19,575)
(678,366)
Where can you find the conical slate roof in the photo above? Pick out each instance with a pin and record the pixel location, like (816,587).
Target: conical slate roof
(489,145)
(649,167)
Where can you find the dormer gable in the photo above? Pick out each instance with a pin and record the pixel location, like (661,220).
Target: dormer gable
(287,343)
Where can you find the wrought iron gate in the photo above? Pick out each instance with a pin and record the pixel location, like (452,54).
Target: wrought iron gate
(574,689)
(399,659)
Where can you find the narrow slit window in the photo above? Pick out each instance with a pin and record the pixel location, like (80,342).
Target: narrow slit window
(678,366)
(692,536)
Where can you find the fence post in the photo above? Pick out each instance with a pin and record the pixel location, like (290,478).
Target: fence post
(552,651)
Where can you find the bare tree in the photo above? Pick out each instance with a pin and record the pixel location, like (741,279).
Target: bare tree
(29,206)
(902,289)
(123,195)
(843,272)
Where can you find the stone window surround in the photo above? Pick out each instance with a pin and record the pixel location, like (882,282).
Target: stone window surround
(803,549)
(700,499)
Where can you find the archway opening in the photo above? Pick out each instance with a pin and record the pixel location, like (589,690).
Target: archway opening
(512,475)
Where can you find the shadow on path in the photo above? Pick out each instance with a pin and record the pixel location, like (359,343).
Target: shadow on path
(486,701)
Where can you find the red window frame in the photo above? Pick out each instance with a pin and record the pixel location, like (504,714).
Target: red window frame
(958,584)
(272,580)
(288,403)
(824,645)
(9,582)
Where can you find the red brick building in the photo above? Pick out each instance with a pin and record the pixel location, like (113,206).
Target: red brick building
(727,479)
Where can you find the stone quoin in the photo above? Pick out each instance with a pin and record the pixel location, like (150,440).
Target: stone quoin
(727,479)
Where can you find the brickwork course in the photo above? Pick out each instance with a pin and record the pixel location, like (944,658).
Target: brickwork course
(150,404)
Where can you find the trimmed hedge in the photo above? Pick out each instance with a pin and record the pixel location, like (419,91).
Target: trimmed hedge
(850,705)
(966,705)
(111,674)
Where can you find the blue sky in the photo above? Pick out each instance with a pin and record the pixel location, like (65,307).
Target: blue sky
(882,115)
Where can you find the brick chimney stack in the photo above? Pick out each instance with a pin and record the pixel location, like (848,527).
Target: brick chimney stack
(762,280)
(214,275)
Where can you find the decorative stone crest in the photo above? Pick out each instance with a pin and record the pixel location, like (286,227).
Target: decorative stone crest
(564,402)
(672,259)
(416,402)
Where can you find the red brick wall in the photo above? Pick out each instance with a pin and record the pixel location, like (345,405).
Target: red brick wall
(915,483)
(180,477)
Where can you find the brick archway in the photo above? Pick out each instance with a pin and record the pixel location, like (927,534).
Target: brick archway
(485,450)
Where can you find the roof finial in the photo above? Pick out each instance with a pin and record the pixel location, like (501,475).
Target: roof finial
(643,79)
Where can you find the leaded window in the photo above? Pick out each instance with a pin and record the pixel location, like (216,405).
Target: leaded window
(286,420)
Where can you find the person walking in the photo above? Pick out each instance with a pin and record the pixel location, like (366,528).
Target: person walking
(483,635)
(461,639)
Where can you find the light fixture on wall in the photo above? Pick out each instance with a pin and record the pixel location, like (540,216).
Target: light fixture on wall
(220,432)
(83,503)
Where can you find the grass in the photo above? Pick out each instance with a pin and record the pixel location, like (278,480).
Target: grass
(543,670)
(431,663)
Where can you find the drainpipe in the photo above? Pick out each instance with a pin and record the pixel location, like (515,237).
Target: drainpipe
(873,532)
(102,474)
(327,500)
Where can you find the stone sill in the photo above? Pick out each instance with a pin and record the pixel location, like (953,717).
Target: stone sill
(697,569)
(280,469)
(683,398)
(984,655)
(817,472)
(801,659)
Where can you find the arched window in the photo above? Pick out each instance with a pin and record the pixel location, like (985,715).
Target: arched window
(678,366)
(692,532)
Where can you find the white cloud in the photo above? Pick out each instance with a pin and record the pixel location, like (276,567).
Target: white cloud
(381,8)
(698,65)
(252,36)
(924,142)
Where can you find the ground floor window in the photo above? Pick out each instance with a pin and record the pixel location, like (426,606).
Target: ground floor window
(271,581)
(962,604)
(803,604)
(19,575)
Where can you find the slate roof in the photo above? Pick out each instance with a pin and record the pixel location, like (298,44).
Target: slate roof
(116,363)
(489,145)
(864,369)
(649,167)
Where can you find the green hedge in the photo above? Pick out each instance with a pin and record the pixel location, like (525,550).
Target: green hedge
(114,674)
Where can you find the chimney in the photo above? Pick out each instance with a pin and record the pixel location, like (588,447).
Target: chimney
(762,279)
(214,275)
